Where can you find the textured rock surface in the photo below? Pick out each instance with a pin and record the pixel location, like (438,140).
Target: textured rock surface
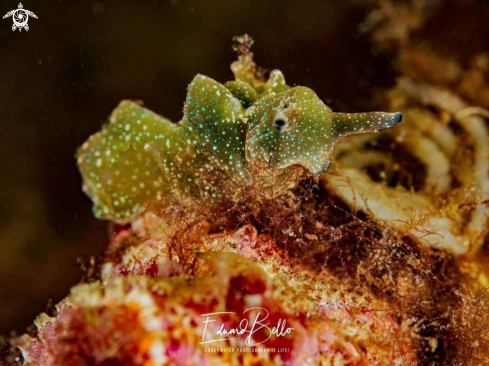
(145,312)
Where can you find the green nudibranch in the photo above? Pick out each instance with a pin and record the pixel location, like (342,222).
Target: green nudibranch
(139,156)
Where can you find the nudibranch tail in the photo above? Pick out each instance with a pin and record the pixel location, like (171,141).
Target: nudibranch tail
(352,123)
(125,165)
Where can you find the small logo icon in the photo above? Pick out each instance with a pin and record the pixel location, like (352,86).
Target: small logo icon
(20,17)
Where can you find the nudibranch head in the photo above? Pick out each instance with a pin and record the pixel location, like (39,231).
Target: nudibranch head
(296,128)
(291,128)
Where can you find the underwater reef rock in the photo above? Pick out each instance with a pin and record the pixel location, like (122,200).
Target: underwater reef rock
(382,260)
(444,200)
(136,316)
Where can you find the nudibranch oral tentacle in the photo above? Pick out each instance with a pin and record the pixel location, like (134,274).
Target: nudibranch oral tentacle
(351,123)
(226,132)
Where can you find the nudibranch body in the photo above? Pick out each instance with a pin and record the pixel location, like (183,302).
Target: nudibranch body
(226,130)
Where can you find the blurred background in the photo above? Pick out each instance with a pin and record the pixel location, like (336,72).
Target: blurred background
(61,79)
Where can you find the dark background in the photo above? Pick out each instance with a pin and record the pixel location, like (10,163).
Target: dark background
(62,78)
